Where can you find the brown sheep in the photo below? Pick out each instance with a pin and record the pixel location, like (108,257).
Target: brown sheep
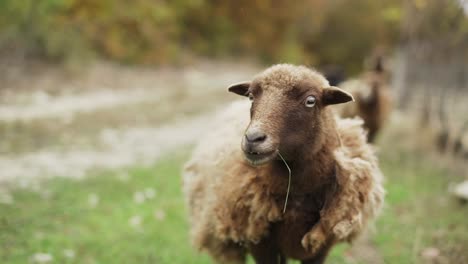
(238,194)
(373,99)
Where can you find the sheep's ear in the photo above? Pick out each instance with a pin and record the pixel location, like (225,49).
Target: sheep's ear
(334,95)
(240,88)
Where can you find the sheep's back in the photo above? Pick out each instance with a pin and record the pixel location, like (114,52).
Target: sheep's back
(359,90)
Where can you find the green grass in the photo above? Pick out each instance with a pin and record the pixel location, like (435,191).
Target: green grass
(418,214)
(103,234)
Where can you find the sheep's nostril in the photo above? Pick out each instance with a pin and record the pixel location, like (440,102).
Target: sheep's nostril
(255,136)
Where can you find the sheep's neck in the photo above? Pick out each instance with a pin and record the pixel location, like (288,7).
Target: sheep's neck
(316,168)
(312,174)
(311,171)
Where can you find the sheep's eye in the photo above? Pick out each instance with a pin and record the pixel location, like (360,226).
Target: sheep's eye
(250,95)
(310,101)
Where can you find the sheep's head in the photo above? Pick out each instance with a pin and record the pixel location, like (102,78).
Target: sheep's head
(287,111)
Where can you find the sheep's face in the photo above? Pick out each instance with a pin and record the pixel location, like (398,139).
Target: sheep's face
(286,111)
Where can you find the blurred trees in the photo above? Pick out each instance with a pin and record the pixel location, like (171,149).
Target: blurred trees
(315,32)
(441,24)
(348,31)
(433,69)
(128,31)
(148,31)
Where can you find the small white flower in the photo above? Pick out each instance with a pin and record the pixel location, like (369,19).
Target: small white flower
(45,194)
(24,183)
(159,215)
(35,186)
(42,258)
(150,193)
(139,197)
(135,221)
(93,200)
(6,198)
(123,177)
(39,235)
(69,253)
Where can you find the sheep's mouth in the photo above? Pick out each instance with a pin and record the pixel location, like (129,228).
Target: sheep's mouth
(259,158)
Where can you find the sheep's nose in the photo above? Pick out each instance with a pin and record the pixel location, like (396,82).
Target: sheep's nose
(255,136)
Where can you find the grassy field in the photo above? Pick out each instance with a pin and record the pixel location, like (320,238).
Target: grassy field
(420,215)
(138,216)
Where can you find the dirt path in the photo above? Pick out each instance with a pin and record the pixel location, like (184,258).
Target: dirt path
(41,105)
(48,131)
(52,93)
(122,148)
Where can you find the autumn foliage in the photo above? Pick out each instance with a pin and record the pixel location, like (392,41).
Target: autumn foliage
(313,32)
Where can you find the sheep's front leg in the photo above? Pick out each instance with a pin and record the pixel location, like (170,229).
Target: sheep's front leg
(315,239)
(339,219)
(330,229)
(321,255)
